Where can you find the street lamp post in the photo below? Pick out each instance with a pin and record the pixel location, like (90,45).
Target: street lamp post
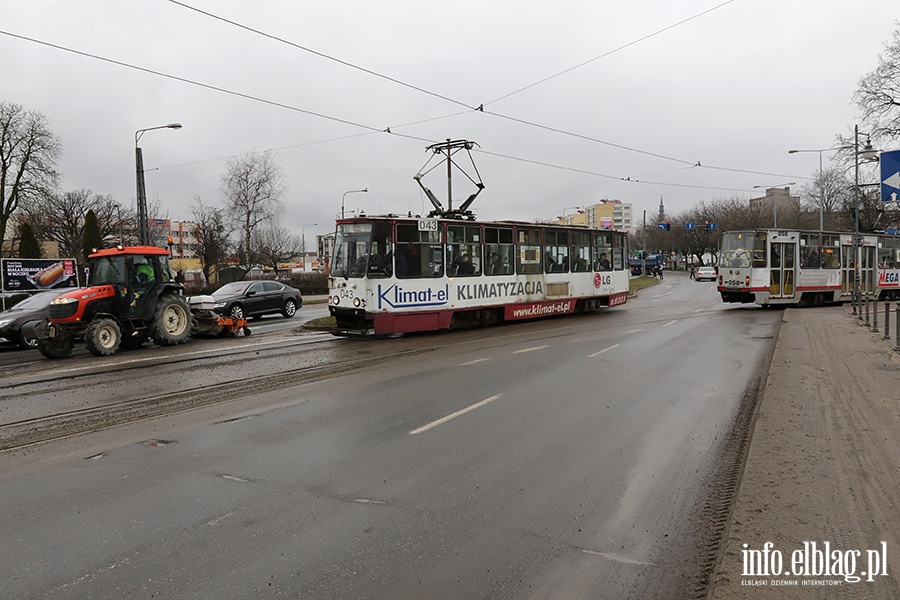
(774,200)
(868,153)
(823,191)
(345,196)
(143,231)
(303,242)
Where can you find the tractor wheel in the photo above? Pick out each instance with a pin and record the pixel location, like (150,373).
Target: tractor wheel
(58,347)
(102,336)
(171,321)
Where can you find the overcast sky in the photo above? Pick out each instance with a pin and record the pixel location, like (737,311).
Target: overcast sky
(577,96)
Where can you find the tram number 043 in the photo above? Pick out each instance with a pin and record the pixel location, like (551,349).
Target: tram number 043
(428,225)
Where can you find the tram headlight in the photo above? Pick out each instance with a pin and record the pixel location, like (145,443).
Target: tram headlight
(747,281)
(335,300)
(356,302)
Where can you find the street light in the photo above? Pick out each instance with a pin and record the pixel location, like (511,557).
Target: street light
(345,196)
(774,199)
(823,191)
(303,241)
(868,153)
(143,231)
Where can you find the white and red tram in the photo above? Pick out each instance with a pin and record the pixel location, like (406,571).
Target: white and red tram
(396,274)
(793,267)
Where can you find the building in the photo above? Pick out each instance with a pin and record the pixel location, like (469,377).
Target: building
(607,214)
(610,214)
(777,204)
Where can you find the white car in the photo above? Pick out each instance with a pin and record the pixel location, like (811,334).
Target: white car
(706,273)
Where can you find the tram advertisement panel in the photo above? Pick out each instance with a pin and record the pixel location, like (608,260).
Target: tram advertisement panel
(28,274)
(538,309)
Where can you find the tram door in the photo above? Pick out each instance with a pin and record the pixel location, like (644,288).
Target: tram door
(781,274)
(848,272)
(868,270)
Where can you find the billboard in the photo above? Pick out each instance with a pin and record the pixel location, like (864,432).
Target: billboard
(30,274)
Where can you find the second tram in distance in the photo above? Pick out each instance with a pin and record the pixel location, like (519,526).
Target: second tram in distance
(396,274)
(792,267)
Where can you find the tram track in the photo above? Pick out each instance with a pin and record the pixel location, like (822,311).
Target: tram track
(37,430)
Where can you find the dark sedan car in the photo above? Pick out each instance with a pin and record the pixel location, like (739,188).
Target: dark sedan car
(257,298)
(28,312)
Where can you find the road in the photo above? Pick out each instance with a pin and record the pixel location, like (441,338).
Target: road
(584,457)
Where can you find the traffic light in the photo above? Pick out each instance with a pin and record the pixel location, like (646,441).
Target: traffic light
(706,226)
(668,225)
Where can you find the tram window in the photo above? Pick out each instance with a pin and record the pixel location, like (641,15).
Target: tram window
(603,251)
(463,250)
(418,253)
(556,251)
(499,250)
(380,260)
(759,251)
(887,253)
(618,252)
(580,251)
(528,243)
(809,252)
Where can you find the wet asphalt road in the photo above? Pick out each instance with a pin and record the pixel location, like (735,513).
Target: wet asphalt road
(565,458)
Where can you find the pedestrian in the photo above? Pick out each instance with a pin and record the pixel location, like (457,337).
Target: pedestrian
(693,272)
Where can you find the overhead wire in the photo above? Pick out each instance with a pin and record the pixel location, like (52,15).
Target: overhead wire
(389,130)
(480,108)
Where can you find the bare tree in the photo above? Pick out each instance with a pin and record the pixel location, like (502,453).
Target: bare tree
(252,185)
(878,94)
(275,244)
(60,218)
(212,236)
(28,155)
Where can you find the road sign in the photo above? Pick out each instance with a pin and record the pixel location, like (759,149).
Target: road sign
(690,226)
(890,176)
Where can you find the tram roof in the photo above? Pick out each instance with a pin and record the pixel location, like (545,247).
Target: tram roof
(510,222)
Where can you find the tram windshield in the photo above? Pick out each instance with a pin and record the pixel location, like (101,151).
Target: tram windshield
(740,249)
(351,249)
(362,249)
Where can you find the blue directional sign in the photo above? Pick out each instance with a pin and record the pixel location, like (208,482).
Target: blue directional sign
(890,176)
(713,226)
(690,226)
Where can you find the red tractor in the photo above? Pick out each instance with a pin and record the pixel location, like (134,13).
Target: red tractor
(130,296)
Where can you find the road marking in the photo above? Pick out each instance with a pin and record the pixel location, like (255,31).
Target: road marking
(661,295)
(621,559)
(634,331)
(443,420)
(699,310)
(669,323)
(602,351)
(530,349)
(472,362)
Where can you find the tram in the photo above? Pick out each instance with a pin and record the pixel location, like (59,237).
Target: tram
(800,267)
(394,274)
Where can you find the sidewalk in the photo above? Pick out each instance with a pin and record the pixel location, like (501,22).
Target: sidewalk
(823,466)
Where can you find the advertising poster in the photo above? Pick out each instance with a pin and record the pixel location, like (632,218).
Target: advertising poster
(30,274)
